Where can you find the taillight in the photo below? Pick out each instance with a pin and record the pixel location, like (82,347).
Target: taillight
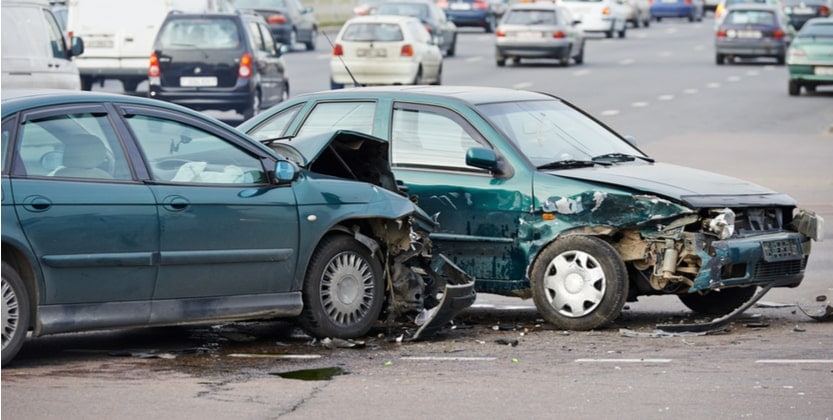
(480,5)
(559,34)
(245,69)
(407,51)
(276,19)
(824,11)
(778,34)
(688,2)
(721,33)
(606,11)
(153,68)
(500,33)
(338,50)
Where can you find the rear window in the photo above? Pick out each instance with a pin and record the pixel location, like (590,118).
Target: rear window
(200,33)
(820,30)
(414,10)
(750,17)
(364,32)
(530,17)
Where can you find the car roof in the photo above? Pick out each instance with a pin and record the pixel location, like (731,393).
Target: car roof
(381,19)
(534,6)
(753,6)
(469,94)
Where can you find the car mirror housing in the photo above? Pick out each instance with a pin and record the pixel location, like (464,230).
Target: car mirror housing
(285,172)
(482,158)
(77,47)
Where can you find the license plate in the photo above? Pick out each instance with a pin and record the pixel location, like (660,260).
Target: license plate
(371,52)
(528,35)
(459,6)
(823,71)
(198,81)
(749,34)
(803,10)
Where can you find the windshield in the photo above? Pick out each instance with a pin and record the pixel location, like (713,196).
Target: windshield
(403,9)
(201,33)
(530,17)
(551,131)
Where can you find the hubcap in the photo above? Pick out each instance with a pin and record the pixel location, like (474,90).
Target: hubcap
(574,283)
(347,288)
(10,313)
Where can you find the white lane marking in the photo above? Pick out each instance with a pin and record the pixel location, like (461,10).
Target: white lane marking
(733,79)
(713,85)
(639,104)
(700,47)
(623,360)
(794,361)
(448,358)
(690,91)
(322,56)
(475,58)
(522,85)
(752,73)
(627,61)
(610,112)
(581,72)
(665,97)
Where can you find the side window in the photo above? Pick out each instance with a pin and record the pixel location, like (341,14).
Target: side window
(56,36)
(177,152)
(330,116)
(257,39)
(425,137)
(275,126)
(267,39)
(82,145)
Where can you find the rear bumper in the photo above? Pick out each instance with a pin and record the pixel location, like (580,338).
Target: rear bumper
(370,73)
(742,48)
(672,11)
(237,98)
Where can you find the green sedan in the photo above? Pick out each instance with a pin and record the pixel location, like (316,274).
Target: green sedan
(537,199)
(121,211)
(810,56)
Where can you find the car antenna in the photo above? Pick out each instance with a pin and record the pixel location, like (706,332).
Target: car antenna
(355,82)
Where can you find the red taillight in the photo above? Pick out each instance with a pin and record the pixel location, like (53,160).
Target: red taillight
(245,69)
(606,11)
(721,33)
(688,2)
(407,51)
(500,33)
(276,19)
(153,69)
(824,11)
(778,34)
(559,34)
(480,5)
(338,50)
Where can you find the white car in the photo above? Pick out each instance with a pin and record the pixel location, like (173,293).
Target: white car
(384,50)
(605,16)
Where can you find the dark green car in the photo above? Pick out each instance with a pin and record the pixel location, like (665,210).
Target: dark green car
(810,56)
(535,198)
(121,211)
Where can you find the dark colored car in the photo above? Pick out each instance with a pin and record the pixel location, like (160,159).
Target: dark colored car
(442,30)
(122,211)
(693,10)
(289,20)
(217,61)
(535,198)
(477,13)
(752,31)
(800,11)
(810,56)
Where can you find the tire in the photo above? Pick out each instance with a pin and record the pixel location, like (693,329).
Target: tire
(794,88)
(501,62)
(810,88)
(439,80)
(609,33)
(718,303)
(313,37)
(579,59)
(86,83)
(285,92)
(781,59)
(418,79)
(720,59)
(624,29)
(16,313)
(343,291)
(452,49)
(129,86)
(254,106)
(579,283)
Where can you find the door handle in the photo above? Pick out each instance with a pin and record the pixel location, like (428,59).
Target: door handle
(36,203)
(175,203)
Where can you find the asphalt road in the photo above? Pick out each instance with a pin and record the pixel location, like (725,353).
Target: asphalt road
(659,84)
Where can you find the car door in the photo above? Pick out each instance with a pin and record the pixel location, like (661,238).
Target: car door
(225,230)
(92,226)
(268,63)
(482,217)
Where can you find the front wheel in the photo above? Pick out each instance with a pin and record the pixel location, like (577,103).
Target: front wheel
(343,290)
(16,313)
(579,283)
(718,303)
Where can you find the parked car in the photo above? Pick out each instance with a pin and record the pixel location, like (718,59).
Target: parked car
(476,13)
(442,30)
(800,11)
(693,10)
(290,21)
(752,31)
(600,16)
(119,35)
(219,61)
(121,211)
(539,30)
(535,198)
(384,50)
(36,54)
(638,12)
(810,56)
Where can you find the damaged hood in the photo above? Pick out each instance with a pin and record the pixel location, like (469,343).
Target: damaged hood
(692,187)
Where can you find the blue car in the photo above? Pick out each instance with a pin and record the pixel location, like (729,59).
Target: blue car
(477,13)
(691,9)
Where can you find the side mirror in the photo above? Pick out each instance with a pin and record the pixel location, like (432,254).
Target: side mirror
(285,172)
(482,158)
(77,47)
(281,49)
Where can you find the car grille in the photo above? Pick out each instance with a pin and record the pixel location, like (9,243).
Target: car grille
(775,270)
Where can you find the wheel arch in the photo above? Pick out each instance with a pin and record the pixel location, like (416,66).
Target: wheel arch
(23,263)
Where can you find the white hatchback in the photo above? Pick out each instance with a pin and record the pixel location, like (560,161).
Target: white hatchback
(384,50)
(605,16)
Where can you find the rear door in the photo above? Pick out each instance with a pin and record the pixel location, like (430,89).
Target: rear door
(267,63)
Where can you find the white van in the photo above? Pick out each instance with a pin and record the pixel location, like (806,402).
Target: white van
(35,53)
(118,35)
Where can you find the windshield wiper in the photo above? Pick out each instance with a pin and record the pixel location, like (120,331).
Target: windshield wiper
(571,163)
(620,157)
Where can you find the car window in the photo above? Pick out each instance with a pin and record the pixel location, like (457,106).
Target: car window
(177,152)
(530,17)
(19,38)
(268,41)
(750,17)
(56,35)
(365,32)
(275,126)
(79,145)
(424,136)
(821,30)
(404,9)
(217,33)
(330,116)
